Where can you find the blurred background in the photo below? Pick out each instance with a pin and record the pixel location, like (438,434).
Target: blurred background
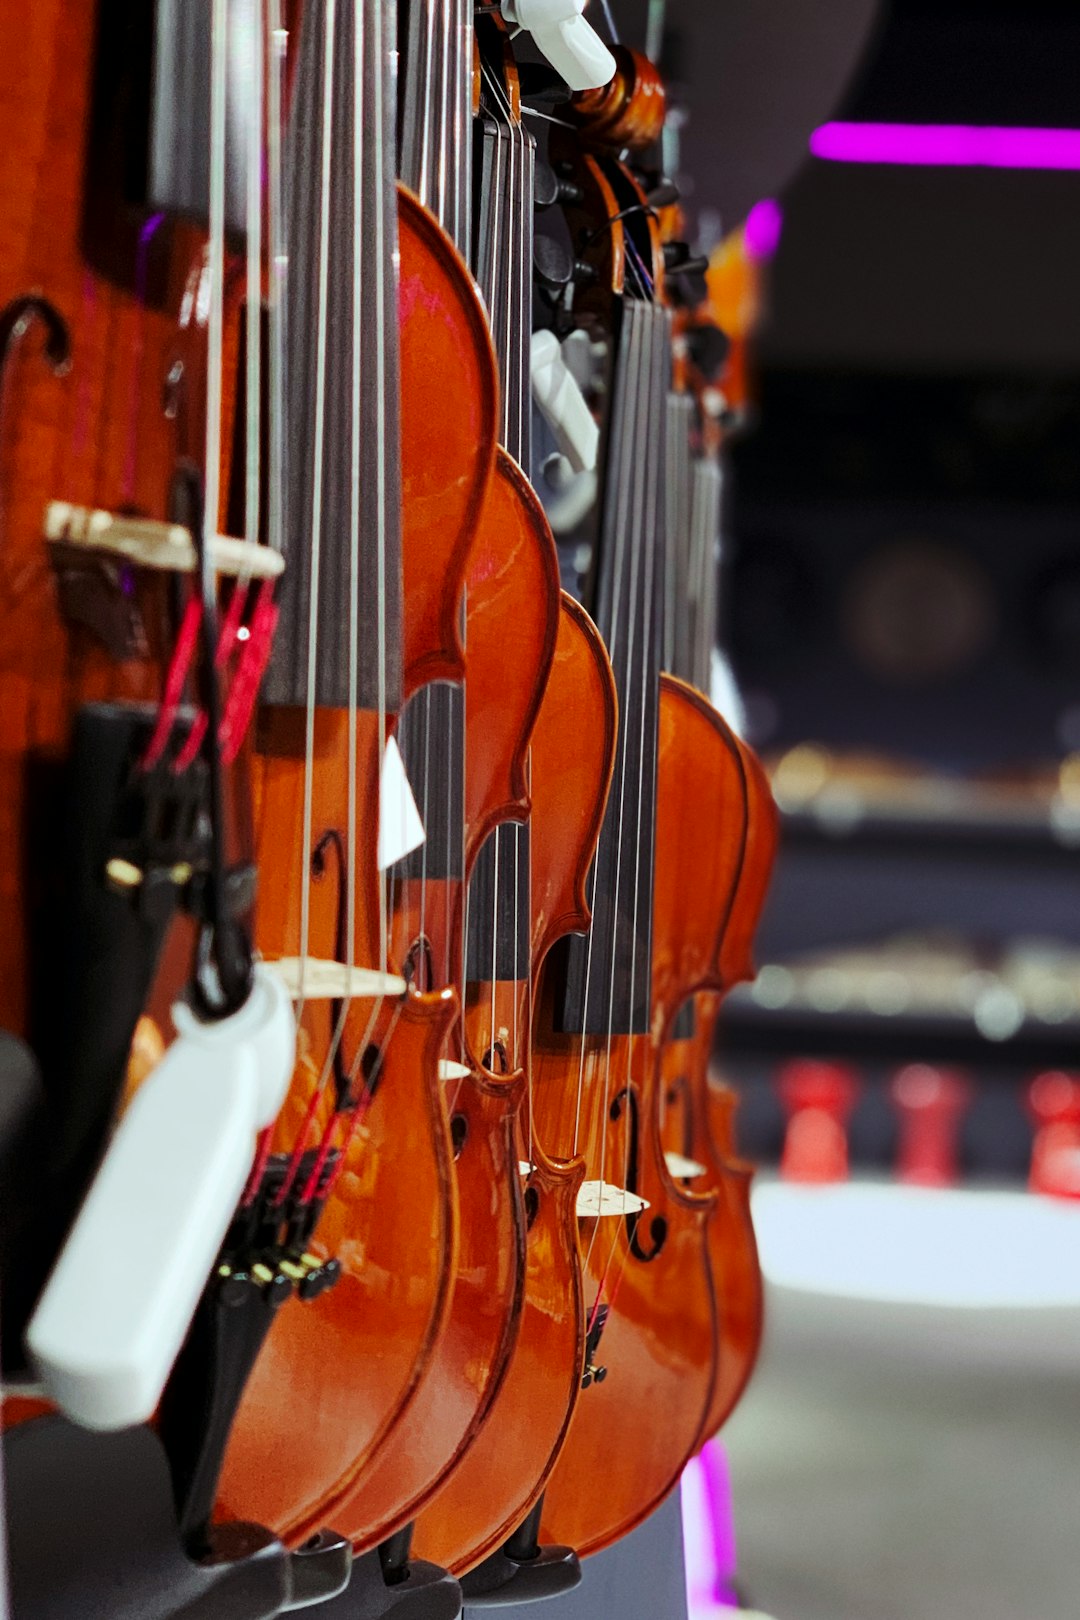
(900,618)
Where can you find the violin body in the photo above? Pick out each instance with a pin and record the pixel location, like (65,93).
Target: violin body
(512,579)
(699,1117)
(392,1219)
(502,1474)
(632,1433)
(699,1125)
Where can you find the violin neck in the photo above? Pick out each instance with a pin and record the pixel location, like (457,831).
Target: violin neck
(609,977)
(341,592)
(704,571)
(680,421)
(436,113)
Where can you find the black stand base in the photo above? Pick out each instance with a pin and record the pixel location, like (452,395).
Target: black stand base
(522,1571)
(387,1585)
(320,1570)
(92,1532)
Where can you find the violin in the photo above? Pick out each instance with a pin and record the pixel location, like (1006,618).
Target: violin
(698,1117)
(364,1145)
(499,1480)
(459,905)
(594,1084)
(699,410)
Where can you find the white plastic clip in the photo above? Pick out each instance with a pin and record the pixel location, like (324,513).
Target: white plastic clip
(121,1297)
(572,45)
(563,404)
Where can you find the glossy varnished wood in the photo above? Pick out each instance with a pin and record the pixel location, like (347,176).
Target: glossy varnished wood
(631,1435)
(93,432)
(512,619)
(310,1421)
(502,1474)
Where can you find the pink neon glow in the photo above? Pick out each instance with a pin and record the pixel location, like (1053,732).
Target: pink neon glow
(708,1535)
(968,146)
(761,233)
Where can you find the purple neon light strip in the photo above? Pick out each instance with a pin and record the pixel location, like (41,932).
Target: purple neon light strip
(969,146)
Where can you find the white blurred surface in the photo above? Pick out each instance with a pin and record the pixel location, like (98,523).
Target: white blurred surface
(898,1460)
(956,1248)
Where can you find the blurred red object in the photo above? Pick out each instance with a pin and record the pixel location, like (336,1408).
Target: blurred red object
(818,1097)
(931,1102)
(1054,1105)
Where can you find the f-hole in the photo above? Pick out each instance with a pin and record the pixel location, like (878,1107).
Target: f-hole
(495,1059)
(330,843)
(532,1206)
(678,1096)
(420,965)
(658,1226)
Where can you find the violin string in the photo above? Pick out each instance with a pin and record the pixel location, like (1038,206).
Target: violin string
(253,377)
(492,290)
(617,480)
(547,118)
(275,521)
(322,289)
(648,464)
(387,312)
(215,268)
(613,32)
(522,929)
(355,471)
(630,519)
(622,525)
(517,326)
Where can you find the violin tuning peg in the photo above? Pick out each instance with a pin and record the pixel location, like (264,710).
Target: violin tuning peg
(561,34)
(553,263)
(542,86)
(709,349)
(562,403)
(679,260)
(549,188)
(664,195)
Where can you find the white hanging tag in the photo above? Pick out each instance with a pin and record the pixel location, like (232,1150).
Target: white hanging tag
(121,1297)
(400,828)
(449,1070)
(562,403)
(318,980)
(572,45)
(266,1024)
(600,1198)
(681,1168)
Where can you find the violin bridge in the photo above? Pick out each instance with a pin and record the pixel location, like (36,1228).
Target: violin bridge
(318,980)
(598,1199)
(150,543)
(681,1168)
